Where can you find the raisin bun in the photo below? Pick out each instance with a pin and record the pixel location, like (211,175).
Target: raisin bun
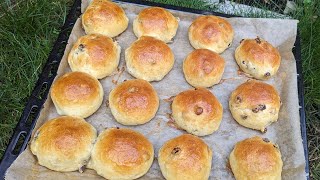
(64,143)
(95,54)
(255,105)
(211,32)
(258,58)
(203,68)
(256,158)
(149,58)
(156,22)
(121,154)
(197,111)
(104,17)
(185,157)
(134,102)
(77,94)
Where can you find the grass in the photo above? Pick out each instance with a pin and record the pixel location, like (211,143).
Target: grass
(29,28)
(27,32)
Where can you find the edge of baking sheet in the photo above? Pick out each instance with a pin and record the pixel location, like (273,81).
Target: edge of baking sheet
(39,95)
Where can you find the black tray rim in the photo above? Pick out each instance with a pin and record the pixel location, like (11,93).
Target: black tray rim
(55,57)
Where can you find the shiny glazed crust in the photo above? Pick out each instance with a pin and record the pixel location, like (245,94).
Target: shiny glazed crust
(185,157)
(256,158)
(121,154)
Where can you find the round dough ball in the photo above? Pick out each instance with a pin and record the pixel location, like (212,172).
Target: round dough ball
(185,157)
(256,158)
(121,154)
(64,143)
(77,94)
(156,22)
(211,32)
(255,105)
(134,102)
(95,54)
(203,68)
(197,111)
(149,59)
(104,17)
(258,58)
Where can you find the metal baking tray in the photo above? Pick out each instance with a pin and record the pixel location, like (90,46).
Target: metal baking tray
(29,117)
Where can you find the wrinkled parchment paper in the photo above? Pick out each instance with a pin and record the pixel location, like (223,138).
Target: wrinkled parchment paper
(285,132)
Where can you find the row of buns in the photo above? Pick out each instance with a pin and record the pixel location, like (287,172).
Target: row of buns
(253,104)
(150,58)
(70,143)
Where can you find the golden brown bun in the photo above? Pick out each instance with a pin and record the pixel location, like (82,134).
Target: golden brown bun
(197,111)
(185,157)
(133,102)
(121,154)
(255,105)
(149,59)
(203,68)
(95,54)
(104,17)
(211,32)
(77,94)
(156,22)
(256,158)
(64,143)
(258,58)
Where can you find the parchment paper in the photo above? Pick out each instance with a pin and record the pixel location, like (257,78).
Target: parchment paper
(286,132)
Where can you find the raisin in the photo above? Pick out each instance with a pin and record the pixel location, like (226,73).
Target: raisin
(244,117)
(258,40)
(266,140)
(238,99)
(260,107)
(265,130)
(175,150)
(198,110)
(81,47)
(267,74)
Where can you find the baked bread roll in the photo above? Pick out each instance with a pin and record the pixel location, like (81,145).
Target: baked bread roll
(197,111)
(76,94)
(104,17)
(203,68)
(211,32)
(156,22)
(185,157)
(64,143)
(258,58)
(95,54)
(133,102)
(121,154)
(256,158)
(255,105)
(149,59)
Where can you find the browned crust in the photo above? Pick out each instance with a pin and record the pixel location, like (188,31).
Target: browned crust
(195,99)
(185,154)
(202,63)
(211,29)
(254,93)
(156,19)
(136,97)
(100,49)
(125,148)
(256,156)
(66,136)
(75,88)
(259,52)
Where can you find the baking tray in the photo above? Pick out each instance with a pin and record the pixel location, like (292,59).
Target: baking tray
(23,130)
